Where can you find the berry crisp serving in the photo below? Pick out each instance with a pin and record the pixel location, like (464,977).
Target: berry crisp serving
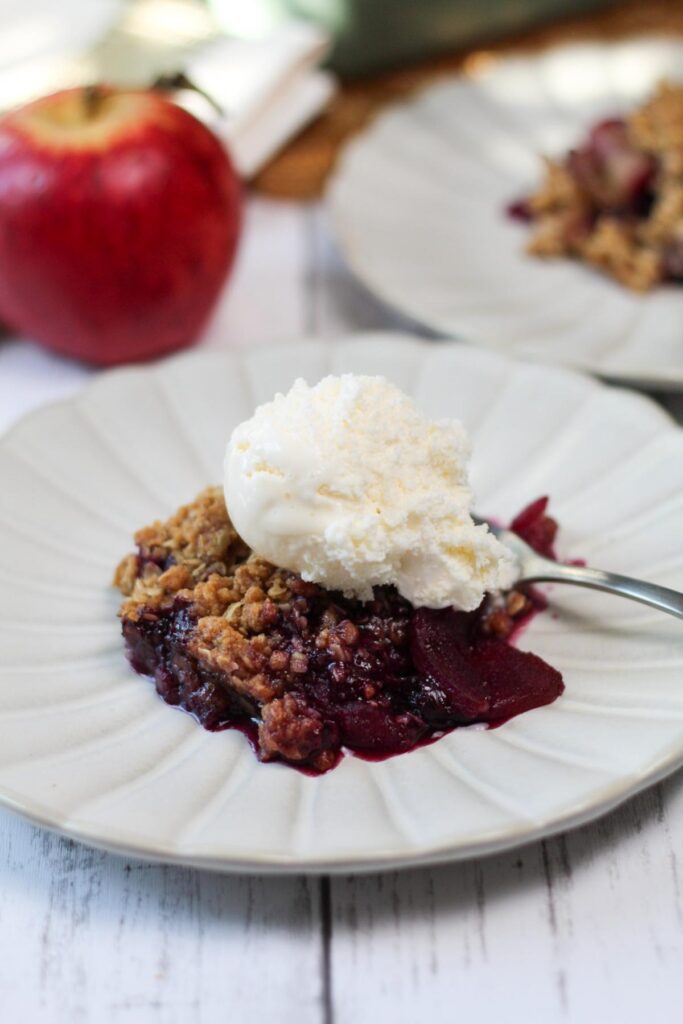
(305,672)
(615,202)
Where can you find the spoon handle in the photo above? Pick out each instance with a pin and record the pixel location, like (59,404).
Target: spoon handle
(666,600)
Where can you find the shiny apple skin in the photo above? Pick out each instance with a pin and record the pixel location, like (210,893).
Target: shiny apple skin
(117,233)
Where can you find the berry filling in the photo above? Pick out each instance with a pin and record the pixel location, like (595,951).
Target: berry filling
(326,674)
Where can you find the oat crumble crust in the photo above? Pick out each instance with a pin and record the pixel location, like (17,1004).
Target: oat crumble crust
(197,557)
(247,630)
(573,213)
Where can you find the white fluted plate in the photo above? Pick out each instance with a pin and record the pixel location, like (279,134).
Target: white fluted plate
(87,747)
(418,206)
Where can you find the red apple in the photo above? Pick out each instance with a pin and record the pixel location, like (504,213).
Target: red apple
(119,219)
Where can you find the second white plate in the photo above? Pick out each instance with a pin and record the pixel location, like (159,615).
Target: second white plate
(418,205)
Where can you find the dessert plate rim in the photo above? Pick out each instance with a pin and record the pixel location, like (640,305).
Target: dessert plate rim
(39,803)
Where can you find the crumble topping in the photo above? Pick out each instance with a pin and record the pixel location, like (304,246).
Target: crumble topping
(616,201)
(616,247)
(657,127)
(233,638)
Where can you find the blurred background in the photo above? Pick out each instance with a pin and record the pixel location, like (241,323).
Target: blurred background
(284,84)
(376,49)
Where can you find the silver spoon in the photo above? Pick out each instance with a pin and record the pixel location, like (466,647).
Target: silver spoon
(534,568)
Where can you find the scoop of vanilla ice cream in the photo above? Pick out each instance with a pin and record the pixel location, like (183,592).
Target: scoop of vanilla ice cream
(348,484)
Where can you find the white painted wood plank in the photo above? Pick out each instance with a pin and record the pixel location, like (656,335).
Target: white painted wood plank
(30,376)
(87,936)
(618,909)
(586,927)
(340,303)
(268,299)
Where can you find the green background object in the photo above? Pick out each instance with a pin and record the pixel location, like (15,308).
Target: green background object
(374,34)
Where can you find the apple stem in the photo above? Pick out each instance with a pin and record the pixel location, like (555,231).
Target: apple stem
(92,99)
(178,81)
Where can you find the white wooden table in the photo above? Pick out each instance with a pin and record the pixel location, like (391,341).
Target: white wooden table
(584,928)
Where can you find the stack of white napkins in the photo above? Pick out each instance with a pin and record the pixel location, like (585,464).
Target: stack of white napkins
(268,89)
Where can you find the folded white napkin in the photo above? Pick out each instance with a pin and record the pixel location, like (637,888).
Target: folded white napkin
(268,89)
